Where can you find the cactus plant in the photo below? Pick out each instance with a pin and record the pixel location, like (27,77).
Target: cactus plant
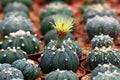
(61,75)
(28,67)
(93,1)
(14,23)
(10,73)
(16,79)
(56,8)
(103,25)
(47,24)
(56,55)
(15,6)
(103,55)
(4,66)
(28,3)
(11,54)
(99,9)
(102,40)
(26,41)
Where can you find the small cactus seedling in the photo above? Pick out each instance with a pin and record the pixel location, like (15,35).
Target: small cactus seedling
(99,9)
(11,54)
(61,75)
(103,25)
(14,23)
(56,8)
(28,67)
(102,40)
(56,55)
(103,55)
(24,40)
(10,73)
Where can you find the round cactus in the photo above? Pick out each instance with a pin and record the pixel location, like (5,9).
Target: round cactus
(102,40)
(10,55)
(15,6)
(28,3)
(47,24)
(103,68)
(28,67)
(10,73)
(4,66)
(103,25)
(61,75)
(56,8)
(15,14)
(101,10)
(49,36)
(56,53)
(26,41)
(14,23)
(103,55)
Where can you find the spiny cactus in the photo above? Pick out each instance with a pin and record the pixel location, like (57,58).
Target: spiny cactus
(15,6)
(56,53)
(61,75)
(14,23)
(24,40)
(99,9)
(11,54)
(103,25)
(10,73)
(103,55)
(47,24)
(28,67)
(102,40)
(56,8)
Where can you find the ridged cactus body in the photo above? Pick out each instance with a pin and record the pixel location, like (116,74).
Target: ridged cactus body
(10,73)
(4,66)
(103,25)
(61,75)
(103,55)
(25,40)
(28,67)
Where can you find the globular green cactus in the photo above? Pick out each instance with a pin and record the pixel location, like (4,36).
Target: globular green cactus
(28,3)
(102,40)
(28,67)
(11,54)
(14,23)
(99,9)
(47,24)
(103,25)
(25,40)
(10,73)
(4,66)
(15,6)
(61,75)
(49,36)
(56,8)
(103,55)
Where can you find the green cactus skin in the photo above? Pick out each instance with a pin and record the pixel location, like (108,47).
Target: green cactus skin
(61,75)
(49,36)
(28,67)
(59,1)
(16,7)
(56,8)
(10,73)
(14,23)
(100,10)
(102,40)
(58,58)
(103,25)
(28,3)
(4,66)
(103,55)
(93,1)
(26,41)
(17,79)
(10,55)
(47,24)
(104,68)
(16,14)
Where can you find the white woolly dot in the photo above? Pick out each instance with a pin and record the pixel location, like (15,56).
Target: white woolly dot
(4,55)
(18,47)
(53,53)
(34,39)
(36,47)
(6,36)
(22,44)
(2,49)
(66,59)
